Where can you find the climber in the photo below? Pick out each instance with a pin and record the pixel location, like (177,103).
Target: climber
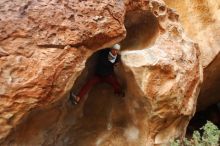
(104,72)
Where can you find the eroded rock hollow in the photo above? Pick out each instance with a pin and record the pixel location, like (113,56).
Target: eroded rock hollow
(48,48)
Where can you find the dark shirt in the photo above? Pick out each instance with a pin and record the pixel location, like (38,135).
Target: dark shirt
(103,66)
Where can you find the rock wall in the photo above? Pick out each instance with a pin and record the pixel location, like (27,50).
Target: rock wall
(201,20)
(36,69)
(44,47)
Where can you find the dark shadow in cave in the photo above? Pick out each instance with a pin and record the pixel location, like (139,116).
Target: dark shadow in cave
(211,113)
(142,30)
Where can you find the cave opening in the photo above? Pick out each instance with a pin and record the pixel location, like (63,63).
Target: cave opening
(105,115)
(142,30)
(210,113)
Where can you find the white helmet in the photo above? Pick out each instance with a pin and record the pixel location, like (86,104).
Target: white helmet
(116,47)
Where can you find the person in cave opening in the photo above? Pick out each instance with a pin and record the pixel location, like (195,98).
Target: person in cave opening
(104,72)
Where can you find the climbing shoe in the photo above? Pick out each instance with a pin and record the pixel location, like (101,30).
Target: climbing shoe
(73,99)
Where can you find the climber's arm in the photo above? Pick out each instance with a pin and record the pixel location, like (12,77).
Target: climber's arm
(118,61)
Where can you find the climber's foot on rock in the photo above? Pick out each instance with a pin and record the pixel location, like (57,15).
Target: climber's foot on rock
(74,99)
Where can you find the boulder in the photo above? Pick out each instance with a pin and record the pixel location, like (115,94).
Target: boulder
(48,48)
(201,21)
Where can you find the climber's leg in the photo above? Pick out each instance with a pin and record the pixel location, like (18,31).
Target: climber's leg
(112,80)
(74,99)
(88,85)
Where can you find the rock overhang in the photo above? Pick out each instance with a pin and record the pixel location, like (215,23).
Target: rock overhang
(165,79)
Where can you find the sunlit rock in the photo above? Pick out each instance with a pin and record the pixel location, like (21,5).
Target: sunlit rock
(48,47)
(201,21)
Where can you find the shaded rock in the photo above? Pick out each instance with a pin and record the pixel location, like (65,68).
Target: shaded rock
(210,94)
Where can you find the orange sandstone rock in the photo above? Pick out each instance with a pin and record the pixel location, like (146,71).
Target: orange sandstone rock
(44,46)
(201,21)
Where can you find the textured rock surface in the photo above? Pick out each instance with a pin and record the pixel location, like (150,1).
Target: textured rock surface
(35,69)
(160,71)
(201,20)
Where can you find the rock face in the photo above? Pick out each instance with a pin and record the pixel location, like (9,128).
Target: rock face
(203,27)
(48,47)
